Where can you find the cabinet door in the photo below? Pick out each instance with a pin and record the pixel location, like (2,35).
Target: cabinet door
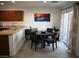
(3,16)
(18,15)
(11,16)
(20,36)
(4,45)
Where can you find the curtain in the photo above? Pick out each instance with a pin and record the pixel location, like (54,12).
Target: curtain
(72,28)
(73,32)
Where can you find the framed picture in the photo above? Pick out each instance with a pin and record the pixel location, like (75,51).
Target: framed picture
(42,17)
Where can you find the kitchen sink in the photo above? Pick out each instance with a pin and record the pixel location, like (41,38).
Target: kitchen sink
(3,29)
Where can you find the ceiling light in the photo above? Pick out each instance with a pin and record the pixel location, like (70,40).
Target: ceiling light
(45,1)
(13,1)
(1,3)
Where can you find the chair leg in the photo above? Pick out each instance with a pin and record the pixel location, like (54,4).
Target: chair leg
(48,44)
(56,44)
(43,45)
(35,46)
(53,46)
(31,44)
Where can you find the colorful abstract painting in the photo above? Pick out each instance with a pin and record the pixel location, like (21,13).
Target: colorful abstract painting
(41,17)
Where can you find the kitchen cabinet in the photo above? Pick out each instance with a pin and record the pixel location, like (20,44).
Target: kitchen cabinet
(11,43)
(18,37)
(15,41)
(4,45)
(11,15)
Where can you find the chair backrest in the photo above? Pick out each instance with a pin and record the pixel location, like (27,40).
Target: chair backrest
(34,29)
(49,30)
(55,29)
(27,31)
(33,35)
(56,34)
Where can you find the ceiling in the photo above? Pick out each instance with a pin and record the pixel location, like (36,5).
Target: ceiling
(23,4)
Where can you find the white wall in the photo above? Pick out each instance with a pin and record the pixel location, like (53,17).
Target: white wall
(29,16)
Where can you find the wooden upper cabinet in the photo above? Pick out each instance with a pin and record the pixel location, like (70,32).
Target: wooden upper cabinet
(11,15)
(19,15)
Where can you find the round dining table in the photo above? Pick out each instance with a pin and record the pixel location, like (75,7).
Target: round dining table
(43,36)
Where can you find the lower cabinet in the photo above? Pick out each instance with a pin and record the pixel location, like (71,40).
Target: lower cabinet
(16,41)
(4,45)
(10,44)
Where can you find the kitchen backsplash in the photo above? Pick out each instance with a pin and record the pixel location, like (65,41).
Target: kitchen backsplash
(14,23)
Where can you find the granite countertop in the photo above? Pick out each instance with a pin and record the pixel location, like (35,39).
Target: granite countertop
(10,30)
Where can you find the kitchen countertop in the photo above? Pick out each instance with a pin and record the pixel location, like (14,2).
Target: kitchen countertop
(10,30)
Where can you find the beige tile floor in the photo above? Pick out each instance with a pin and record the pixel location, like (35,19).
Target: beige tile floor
(27,52)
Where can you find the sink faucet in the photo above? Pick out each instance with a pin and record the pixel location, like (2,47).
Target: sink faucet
(14,27)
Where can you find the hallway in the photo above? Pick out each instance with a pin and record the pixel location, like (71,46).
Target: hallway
(27,52)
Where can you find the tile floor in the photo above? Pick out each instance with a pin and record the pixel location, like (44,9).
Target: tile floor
(27,52)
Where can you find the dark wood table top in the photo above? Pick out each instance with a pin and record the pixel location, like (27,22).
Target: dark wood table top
(44,33)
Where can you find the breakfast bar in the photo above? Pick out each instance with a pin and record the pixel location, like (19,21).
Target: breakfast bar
(11,40)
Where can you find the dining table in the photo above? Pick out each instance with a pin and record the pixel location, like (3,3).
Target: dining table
(43,35)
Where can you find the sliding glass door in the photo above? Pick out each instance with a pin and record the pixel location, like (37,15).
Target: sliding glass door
(66,26)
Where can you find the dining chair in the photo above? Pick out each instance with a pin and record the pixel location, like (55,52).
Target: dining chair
(58,32)
(49,30)
(52,40)
(34,40)
(27,34)
(34,29)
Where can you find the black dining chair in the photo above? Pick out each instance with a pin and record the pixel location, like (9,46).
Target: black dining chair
(34,29)
(27,34)
(52,40)
(34,40)
(49,30)
(58,32)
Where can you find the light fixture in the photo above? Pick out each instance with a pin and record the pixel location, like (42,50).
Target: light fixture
(45,1)
(13,1)
(1,3)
